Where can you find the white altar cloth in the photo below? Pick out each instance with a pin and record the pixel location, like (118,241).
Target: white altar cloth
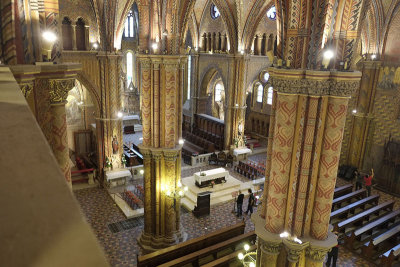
(117,177)
(239,151)
(211,175)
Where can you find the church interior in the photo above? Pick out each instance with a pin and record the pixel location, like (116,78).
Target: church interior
(200,133)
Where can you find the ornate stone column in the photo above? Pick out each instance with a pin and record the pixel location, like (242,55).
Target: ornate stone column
(59,89)
(73,27)
(308,123)
(363,115)
(236,102)
(162,89)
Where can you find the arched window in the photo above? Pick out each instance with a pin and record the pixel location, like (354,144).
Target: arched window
(214,12)
(129,30)
(189,72)
(218,91)
(129,68)
(271,13)
(260,91)
(270,95)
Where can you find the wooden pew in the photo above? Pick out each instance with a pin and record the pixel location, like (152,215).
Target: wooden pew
(194,257)
(364,216)
(225,261)
(342,190)
(352,207)
(389,256)
(167,254)
(382,221)
(373,245)
(359,194)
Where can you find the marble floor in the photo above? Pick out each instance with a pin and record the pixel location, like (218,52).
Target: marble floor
(121,247)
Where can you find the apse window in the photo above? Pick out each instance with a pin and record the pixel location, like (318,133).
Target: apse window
(266,77)
(129,29)
(260,92)
(214,12)
(271,13)
(270,95)
(218,92)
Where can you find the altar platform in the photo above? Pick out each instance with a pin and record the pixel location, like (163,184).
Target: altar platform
(220,192)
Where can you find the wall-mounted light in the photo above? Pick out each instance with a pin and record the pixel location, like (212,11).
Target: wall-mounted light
(373,56)
(328,55)
(242,52)
(181,141)
(120,114)
(141,172)
(95,46)
(248,258)
(47,45)
(354,111)
(154,46)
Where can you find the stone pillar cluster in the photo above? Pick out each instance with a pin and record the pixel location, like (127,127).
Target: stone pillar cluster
(214,42)
(161,79)
(363,113)
(307,123)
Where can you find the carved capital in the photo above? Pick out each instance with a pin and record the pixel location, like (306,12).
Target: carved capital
(269,247)
(156,155)
(314,87)
(316,253)
(171,155)
(146,154)
(26,89)
(294,249)
(59,89)
(145,64)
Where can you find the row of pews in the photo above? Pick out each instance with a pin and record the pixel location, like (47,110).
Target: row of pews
(219,248)
(367,226)
(249,169)
(134,201)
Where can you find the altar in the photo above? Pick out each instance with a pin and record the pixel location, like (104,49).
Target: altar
(204,178)
(241,153)
(117,177)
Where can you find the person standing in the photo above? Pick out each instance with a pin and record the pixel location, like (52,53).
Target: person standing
(358,178)
(239,203)
(333,255)
(368,181)
(250,203)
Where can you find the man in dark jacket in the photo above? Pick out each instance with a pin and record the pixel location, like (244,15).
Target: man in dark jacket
(239,203)
(251,203)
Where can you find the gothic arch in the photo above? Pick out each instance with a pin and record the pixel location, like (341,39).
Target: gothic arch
(207,75)
(81,77)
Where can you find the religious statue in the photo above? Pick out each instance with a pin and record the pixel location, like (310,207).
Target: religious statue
(115,145)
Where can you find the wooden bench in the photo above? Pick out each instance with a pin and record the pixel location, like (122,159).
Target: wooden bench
(382,221)
(389,256)
(167,254)
(373,245)
(342,190)
(352,207)
(359,194)
(364,216)
(194,257)
(225,261)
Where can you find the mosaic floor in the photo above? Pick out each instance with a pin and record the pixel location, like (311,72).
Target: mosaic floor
(121,246)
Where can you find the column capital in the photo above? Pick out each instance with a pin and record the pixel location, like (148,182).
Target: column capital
(315,83)
(171,154)
(59,89)
(294,249)
(156,155)
(316,254)
(270,247)
(26,88)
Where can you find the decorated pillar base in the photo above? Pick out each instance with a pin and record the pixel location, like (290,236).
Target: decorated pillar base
(152,243)
(274,251)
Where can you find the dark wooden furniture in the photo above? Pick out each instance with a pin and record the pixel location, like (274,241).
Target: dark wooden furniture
(251,171)
(359,194)
(389,256)
(343,212)
(342,190)
(371,247)
(167,254)
(203,204)
(133,156)
(365,215)
(194,257)
(213,159)
(209,128)
(228,260)
(369,228)
(129,129)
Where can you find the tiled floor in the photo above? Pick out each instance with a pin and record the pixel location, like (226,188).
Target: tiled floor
(121,247)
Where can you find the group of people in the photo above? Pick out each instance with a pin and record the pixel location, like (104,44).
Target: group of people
(367,179)
(239,203)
